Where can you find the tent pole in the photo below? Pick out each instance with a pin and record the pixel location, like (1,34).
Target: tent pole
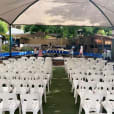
(108,19)
(10,45)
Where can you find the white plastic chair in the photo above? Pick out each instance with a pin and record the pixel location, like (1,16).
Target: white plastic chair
(108,104)
(90,102)
(9,103)
(31,103)
(40,86)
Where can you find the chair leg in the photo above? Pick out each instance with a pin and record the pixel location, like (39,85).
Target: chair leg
(48,87)
(74,92)
(72,88)
(76,99)
(11,112)
(24,112)
(45,97)
(41,110)
(2,112)
(35,112)
(50,81)
(20,110)
(80,109)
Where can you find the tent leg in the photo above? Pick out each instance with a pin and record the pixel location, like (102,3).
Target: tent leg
(112,49)
(10,45)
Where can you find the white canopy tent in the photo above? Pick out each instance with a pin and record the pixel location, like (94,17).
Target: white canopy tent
(58,12)
(11,9)
(69,12)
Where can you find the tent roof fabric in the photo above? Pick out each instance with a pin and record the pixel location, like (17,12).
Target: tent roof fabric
(11,9)
(59,12)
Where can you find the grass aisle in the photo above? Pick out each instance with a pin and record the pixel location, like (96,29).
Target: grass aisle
(60,99)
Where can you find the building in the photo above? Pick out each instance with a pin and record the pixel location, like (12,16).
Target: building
(95,44)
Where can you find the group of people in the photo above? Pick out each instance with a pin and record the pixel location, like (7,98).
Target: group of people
(80,51)
(107,54)
(38,52)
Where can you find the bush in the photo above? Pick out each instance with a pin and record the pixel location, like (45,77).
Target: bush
(26,49)
(5,47)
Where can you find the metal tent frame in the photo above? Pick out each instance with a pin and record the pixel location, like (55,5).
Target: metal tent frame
(10,24)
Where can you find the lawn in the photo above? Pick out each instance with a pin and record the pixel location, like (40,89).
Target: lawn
(60,99)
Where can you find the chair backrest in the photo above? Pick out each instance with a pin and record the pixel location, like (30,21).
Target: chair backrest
(36,83)
(87,85)
(8,96)
(110,97)
(103,86)
(30,97)
(89,95)
(19,83)
(4,83)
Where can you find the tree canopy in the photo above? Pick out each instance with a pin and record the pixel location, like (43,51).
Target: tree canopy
(67,31)
(3,27)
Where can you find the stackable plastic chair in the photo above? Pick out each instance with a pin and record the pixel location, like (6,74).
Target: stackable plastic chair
(85,87)
(38,86)
(102,88)
(8,102)
(31,103)
(90,102)
(6,89)
(36,90)
(108,104)
(4,83)
(19,86)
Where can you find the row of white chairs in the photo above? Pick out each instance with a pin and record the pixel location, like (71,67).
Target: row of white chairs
(28,78)
(92,80)
(27,103)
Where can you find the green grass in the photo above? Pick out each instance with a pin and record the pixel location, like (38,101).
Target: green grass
(60,99)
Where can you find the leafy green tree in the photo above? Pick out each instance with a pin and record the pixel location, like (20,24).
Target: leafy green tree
(101,32)
(3,27)
(27,28)
(67,31)
(108,31)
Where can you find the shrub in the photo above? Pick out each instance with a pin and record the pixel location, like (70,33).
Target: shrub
(26,49)
(5,47)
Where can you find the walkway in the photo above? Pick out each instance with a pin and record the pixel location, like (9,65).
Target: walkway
(60,99)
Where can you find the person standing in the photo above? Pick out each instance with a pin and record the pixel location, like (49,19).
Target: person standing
(105,54)
(40,54)
(71,53)
(35,52)
(81,51)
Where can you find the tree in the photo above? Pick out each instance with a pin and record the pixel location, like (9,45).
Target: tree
(101,32)
(67,31)
(3,27)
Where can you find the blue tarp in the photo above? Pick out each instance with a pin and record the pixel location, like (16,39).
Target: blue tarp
(51,52)
(97,55)
(16,53)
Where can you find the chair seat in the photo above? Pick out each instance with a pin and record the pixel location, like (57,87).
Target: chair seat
(109,105)
(10,105)
(31,106)
(90,105)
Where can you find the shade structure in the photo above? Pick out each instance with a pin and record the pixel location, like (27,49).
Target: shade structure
(58,12)
(69,12)
(11,9)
